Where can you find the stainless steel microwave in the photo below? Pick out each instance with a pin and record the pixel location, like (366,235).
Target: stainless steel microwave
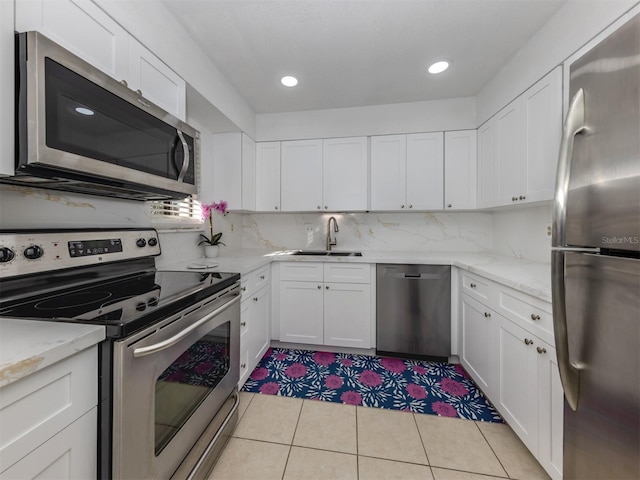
(80,130)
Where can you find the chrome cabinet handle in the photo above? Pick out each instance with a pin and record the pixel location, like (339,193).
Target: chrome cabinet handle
(319,287)
(244,289)
(410,206)
(535,316)
(521,197)
(243,365)
(276,207)
(472,285)
(449,206)
(157,347)
(528,342)
(541,350)
(255,299)
(513,199)
(487,314)
(319,207)
(401,206)
(243,324)
(185,162)
(327,287)
(261,277)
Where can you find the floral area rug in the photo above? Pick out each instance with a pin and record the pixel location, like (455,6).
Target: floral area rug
(384,382)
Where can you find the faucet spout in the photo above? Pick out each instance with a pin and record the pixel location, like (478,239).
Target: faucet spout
(331,242)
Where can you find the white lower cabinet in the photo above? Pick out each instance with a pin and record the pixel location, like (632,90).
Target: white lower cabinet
(510,357)
(48,423)
(255,319)
(326,304)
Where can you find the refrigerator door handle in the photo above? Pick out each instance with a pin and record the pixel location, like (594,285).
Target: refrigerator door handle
(569,373)
(574,124)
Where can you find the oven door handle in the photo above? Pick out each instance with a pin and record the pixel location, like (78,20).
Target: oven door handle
(157,347)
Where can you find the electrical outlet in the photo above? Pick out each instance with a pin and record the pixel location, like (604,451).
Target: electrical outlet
(308,227)
(548,230)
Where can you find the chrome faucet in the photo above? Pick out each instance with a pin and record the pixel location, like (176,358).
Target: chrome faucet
(330,242)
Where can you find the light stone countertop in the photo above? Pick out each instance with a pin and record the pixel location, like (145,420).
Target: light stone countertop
(27,346)
(533,278)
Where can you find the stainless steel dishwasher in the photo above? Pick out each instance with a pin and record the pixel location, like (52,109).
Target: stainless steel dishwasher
(413,310)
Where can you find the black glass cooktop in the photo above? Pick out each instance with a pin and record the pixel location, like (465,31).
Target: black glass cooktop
(122,301)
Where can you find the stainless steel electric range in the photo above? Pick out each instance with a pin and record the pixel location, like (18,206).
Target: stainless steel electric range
(169,368)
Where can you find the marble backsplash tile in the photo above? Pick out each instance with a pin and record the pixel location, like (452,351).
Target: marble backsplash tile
(444,232)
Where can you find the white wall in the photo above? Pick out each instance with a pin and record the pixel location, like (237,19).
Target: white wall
(415,117)
(574,24)
(154,27)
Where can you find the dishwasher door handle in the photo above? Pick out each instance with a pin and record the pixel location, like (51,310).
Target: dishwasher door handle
(416,276)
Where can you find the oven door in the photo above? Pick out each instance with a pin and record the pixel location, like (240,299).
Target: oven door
(170,380)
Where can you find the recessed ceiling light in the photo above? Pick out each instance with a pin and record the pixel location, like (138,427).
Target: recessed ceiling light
(439,67)
(289,81)
(84,111)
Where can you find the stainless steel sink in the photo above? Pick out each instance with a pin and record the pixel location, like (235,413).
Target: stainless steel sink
(325,253)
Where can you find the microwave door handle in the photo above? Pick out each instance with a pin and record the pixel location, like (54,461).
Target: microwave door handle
(185,162)
(158,347)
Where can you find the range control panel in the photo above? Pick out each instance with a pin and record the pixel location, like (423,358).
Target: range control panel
(28,252)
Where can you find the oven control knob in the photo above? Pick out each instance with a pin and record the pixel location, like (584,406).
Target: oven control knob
(6,255)
(33,252)
(153,241)
(141,242)
(153,302)
(141,307)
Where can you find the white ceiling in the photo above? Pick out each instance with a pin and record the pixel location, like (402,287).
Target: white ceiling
(349,53)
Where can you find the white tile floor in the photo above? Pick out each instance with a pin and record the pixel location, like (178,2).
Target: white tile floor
(289,438)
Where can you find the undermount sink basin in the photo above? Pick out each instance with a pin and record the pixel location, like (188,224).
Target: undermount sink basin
(325,253)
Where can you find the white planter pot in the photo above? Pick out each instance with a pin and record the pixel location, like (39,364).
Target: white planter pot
(211,251)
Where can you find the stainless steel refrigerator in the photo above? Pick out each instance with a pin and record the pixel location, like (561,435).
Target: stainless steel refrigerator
(596,263)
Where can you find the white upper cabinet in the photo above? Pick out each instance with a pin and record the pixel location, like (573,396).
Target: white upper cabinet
(425,171)
(268,176)
(388,172)
(544,130)
(232,156)
(324,175)
(84,29)
(155,81)
(345,173)
(518,147)
(511,151)
(460,170)
(301,175)
(486,157)
(7,91)
(407,172)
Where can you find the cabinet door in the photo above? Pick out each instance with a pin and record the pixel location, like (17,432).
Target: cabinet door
(425,171)
(347,315)
(550,411)
(388,172)
(268,176)
(301,312)
(477,343)
(81,27)
(301,175)
(460,170)
(511,151)
(518,395)
(227,170)
(486,157)
(543,103)
(345,173)
(248,173)
(70,454)
(260,325)
(156,81)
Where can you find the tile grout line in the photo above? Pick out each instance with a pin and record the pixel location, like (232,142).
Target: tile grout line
(357,447)
(292,438)
(424,449)
(491,448)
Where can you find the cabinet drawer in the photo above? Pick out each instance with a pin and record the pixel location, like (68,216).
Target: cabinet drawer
(529,312)
(261,277)
(301,271)
(35,408)
(347,273)
(477,287)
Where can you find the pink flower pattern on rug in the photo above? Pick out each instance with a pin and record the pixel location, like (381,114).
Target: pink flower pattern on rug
(393,383)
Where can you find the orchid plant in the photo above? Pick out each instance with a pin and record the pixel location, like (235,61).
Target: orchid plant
(207,212)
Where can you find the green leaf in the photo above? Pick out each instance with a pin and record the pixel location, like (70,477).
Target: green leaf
(215,240)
